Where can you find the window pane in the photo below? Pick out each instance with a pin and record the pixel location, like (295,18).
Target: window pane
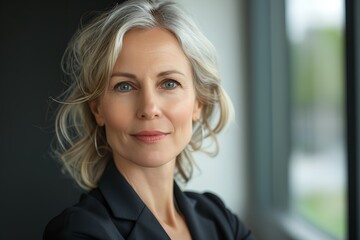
(318,162)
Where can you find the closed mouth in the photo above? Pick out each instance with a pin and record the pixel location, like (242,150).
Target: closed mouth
(150,136)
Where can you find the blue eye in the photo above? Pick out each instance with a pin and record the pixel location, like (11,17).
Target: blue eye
(170,84)
(123,87)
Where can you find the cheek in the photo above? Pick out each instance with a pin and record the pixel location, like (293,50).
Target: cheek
(117,122)
(117,119)
(182,116)
(115,113)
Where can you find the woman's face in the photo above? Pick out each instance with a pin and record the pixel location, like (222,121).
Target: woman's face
(149,104)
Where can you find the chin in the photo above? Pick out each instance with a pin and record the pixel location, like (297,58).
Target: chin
(149,159)
(153,163)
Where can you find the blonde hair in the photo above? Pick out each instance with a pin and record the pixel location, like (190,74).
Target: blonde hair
(88,62)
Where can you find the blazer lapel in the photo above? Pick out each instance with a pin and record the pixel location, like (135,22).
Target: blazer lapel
(125,204)
(199,226)
(147,227)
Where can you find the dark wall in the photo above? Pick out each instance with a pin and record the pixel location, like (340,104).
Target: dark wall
(33,36)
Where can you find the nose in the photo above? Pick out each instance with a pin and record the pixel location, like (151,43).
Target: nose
(148,105)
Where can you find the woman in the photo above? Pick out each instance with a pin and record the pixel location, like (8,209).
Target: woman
(143,93)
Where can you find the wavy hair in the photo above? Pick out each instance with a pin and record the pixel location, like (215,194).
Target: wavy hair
(88,62)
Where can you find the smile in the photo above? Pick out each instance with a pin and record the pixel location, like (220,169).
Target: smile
(150,136)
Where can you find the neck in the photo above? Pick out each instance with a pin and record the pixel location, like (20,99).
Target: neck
(155,186)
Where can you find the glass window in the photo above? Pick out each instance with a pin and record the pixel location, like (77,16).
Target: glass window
(317,167)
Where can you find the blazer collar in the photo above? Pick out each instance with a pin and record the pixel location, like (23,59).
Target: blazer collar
(122,199)
(125,203)
(200,227)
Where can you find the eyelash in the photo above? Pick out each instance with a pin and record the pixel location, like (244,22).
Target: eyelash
(130,86)
(118,85)
(177,84)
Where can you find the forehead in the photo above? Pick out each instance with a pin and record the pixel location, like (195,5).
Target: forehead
(149,39)
(155,46)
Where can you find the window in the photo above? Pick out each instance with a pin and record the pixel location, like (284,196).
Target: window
(304,98)
(317,168)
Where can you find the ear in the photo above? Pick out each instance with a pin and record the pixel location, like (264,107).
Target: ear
(197,110)
(95,109)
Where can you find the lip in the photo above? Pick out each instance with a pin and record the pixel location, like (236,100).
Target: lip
(150,136)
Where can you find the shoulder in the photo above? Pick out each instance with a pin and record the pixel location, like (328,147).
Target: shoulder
(212,207)
(88,219)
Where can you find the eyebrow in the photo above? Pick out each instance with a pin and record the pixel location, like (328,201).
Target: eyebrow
(123,74)
(170,72)
(132,76)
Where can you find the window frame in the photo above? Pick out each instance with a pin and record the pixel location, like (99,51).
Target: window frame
(268,135)
(353,115)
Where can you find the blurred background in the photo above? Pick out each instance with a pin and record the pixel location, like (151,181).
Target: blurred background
(288,163)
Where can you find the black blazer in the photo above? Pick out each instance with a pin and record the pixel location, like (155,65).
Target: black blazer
(114,211)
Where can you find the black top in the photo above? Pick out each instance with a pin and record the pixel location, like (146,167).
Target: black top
(114,211)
